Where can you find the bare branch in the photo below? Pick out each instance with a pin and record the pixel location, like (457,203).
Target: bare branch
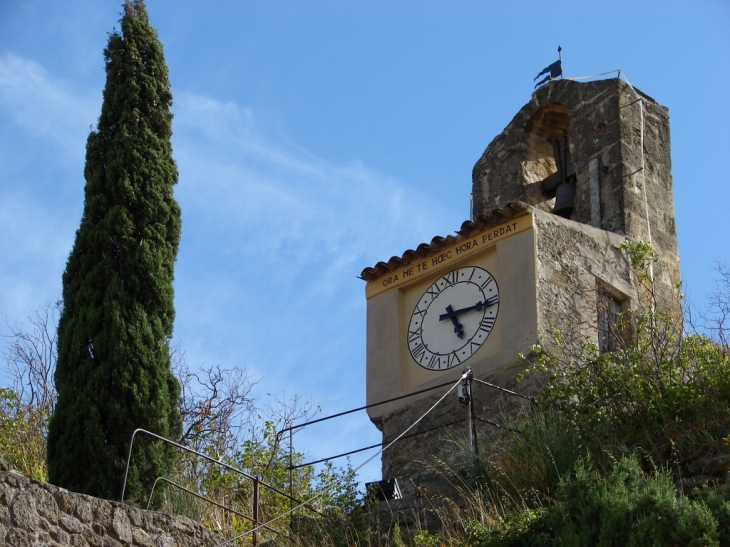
(30,357)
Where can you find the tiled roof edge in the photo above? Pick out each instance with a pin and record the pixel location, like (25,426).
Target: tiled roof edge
(469,227)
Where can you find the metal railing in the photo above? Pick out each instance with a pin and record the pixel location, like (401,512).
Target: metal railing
(254,519)
(471,418)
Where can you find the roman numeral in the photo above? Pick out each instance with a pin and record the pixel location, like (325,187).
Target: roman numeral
(489,280)
(487,324)
(435,360)
(491,301)
(473,346)
(452,360)
(451,277)
(434,290)
(419,352)
(420,312)
(414,335)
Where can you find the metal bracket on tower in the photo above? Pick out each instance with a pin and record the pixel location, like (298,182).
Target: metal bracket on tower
(464,390)
(466,400)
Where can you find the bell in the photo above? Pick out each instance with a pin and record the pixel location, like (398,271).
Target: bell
(564,200)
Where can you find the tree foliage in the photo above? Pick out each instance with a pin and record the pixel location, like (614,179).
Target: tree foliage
(223,421)
(30,359)
(23,443)
(113,373)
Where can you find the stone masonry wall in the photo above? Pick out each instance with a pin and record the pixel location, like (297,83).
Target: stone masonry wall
(605,128)
(35,514)
(573,260)
(422,463)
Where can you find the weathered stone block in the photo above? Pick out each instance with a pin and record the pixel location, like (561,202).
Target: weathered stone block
(163,540)
(60,536)
(79,541)
(17,537)
(46,504)
(121,525)
(109,541)
(71,525)
(23,511)
(65,501)
(141,538)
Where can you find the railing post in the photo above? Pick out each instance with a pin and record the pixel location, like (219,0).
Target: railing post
(471,429)
(472,420)
(255,539)
(291,471)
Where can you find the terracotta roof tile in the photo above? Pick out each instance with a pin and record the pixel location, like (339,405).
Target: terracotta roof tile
(468,227)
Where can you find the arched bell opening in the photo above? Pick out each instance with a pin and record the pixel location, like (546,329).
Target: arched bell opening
(547,169)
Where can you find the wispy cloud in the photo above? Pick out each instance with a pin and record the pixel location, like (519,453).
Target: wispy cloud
(43,105)
(42,143)
(315,209)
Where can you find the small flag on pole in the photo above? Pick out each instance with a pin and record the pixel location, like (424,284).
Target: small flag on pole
(553,71)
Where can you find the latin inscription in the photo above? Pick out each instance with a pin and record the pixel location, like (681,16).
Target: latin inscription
(442,258)
(450,254)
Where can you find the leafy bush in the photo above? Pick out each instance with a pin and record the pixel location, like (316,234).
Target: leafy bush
(625,508)
(663,397)
(660,393)
(23,441)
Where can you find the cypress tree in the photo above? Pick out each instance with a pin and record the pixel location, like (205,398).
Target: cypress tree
(113,372)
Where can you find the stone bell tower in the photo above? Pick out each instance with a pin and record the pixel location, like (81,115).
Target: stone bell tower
(582,169)
(597,153)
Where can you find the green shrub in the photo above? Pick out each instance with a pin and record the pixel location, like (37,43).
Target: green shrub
(661,393)
(628,507)
(23,441)
(525,469)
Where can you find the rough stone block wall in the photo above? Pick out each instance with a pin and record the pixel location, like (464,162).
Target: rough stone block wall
(602,121)
(422,463)
(658,202)
(35,514)
(573,260)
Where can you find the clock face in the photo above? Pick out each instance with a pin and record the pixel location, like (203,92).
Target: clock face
(453,318)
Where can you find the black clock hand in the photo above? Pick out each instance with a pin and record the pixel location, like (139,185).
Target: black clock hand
(458,327)
(476,307)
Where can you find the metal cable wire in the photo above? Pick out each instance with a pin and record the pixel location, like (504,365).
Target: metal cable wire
(375,445)
(335,483)
(531,399)
(305,424)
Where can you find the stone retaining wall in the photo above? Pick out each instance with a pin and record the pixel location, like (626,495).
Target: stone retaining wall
(35,514)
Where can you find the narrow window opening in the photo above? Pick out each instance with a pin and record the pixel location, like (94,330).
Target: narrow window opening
(608,310)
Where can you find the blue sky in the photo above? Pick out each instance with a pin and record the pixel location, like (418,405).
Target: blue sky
(316,138)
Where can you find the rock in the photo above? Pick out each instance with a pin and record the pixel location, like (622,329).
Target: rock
(83,511)
(17,538)
(163,540)
(121,525)
(141,538)
(36,514)
(46,505)
(71,525)
(23,512)
(65,501)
